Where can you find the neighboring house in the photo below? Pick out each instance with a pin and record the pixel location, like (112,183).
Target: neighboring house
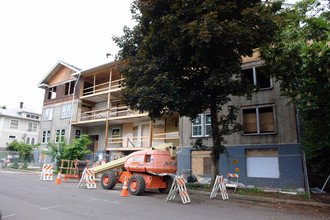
(19,123)
(266,152)
(96,110)
(59,104)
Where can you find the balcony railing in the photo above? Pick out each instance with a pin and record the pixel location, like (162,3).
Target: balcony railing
(103,87)
(113,112)
(137,142)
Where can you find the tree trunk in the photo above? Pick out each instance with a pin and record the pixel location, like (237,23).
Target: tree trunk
(216,137)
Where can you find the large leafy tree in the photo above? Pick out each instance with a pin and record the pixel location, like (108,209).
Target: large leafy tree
(298,57)
(185,56)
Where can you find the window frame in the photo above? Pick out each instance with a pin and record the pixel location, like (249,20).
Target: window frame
(59,137)
(48,116)
(52,93)
(67,114)
(255,78)
(203,125)
(33,127)
(45,136)
(257,107)
(11,123)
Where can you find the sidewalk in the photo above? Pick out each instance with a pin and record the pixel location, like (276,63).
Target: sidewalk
(264,199)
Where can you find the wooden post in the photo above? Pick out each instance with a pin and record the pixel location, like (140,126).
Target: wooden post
(108,113)
(150,133)
(106,134)
(94,84)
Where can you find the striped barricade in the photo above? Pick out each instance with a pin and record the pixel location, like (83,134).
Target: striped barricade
(232,184)
(179,185)
(47,172)
(219,185)
(88,179)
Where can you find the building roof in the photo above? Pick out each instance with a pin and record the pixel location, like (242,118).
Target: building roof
(44,82)
(17,112)
(96,68)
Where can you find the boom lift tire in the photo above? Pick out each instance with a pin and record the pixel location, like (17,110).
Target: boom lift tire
(136,185)
(169,182)
(108,180)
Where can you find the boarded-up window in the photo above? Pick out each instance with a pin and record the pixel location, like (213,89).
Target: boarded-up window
(262,163)
(201,162)
(259,120)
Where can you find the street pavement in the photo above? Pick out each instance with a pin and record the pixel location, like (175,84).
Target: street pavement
(24,196)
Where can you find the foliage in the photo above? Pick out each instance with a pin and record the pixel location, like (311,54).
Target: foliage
(78,149)
(298,57)
(56,152)
(186,56)
(24,150)
(68,152)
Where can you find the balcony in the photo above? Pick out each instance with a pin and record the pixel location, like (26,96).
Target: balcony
(141,142)
(98,92)
(116,114)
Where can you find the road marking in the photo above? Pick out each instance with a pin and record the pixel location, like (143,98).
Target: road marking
(51,207)
(6,216)
(95,199)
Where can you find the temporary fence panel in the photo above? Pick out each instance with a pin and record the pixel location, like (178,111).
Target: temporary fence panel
(88,179)
(47,172)
(219,185)
(179,185)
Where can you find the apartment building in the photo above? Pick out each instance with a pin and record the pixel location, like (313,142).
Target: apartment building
(19,123)
(112,126)
(88,102)
(266,151)
(60,103)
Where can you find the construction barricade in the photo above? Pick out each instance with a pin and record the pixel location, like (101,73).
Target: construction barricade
(179,185)
(47,172)
(88,179)
(232,184)
(219,185)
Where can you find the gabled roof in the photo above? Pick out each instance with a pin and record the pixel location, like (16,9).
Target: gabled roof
(16,112)
(44,82)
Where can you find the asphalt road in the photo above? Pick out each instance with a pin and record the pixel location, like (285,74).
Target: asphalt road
(24,196)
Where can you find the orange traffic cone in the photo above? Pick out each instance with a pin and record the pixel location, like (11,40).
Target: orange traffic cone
(124,191)
(65,179)
(58,179)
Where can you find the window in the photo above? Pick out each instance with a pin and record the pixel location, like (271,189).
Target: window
(48,114)
(45,137)
(201,126)
(66,111)
(52,93)
(262,163)
(32,140)
(257,76)
(32,126)
(77,134)
(69,87)
(27,140)
(14,123)
(60,136)
(259,120)
(28,116)
(115,134)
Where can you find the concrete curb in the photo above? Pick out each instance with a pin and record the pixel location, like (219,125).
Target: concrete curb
(264,199)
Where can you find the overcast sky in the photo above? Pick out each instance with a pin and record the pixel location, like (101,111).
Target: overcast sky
(35,34)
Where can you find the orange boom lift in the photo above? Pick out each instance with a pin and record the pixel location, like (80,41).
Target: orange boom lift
(146,169)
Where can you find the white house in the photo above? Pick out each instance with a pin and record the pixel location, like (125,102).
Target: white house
(18,123)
